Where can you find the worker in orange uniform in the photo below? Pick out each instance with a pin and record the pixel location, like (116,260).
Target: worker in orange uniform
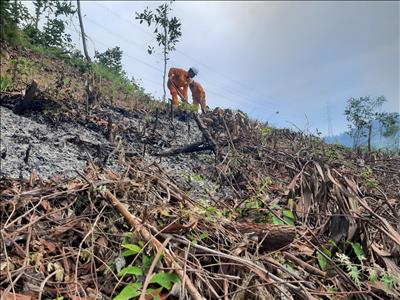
(178,82)
(199,96)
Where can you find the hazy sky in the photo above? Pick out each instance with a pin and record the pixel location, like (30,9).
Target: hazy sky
(303,59)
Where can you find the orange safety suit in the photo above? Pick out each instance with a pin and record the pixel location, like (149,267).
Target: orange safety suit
(199,96)
(178,81)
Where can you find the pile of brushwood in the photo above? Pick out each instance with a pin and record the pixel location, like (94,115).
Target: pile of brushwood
(263,213)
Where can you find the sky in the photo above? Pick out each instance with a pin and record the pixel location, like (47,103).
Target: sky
(291,64)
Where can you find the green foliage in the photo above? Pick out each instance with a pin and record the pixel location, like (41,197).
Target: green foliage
(12,14)
(130,291)
(192,177)
(197,238)
(276,214)
(368,176)
(79,62)
(260,189)
(20,28)
(53,34)
(166,29)
(361,112)
(358,250)
(390,122)
(131,270)
(159,280)
(147,260)
(390,280)
(265,133)
(188,107)
(166,280)
(131,249)
(288,216)
(355,271)
(5,83)
(53,31)
(352,270)
(111,59)
(322,260)
(22,66)
(334,154)
(119,83)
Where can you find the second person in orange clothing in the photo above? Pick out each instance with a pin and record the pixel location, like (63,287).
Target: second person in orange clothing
(199,96)
(178,82)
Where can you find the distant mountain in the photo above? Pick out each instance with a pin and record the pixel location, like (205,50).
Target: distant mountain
(378,141)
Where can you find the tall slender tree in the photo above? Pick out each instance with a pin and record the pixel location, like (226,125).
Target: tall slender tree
(167,30)
(78,2)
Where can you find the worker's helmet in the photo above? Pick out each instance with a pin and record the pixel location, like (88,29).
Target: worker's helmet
(194,71)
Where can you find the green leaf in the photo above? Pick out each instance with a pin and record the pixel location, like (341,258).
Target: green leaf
(132,249)
(132,270)
(127,253)
(132,290)
(147,261)
(322,261)
(358,250)
(289,216)
(165,279)
(277,221)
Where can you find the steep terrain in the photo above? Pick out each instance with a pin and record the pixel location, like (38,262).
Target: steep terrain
(90,194)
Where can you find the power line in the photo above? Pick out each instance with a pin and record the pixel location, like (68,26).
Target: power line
(123,38)
(240,97)
(108,46)
(114,33)
(194,59)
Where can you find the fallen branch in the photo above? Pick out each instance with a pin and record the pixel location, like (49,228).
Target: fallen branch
(309,268)
(205,132)
(194,147)
(137,223)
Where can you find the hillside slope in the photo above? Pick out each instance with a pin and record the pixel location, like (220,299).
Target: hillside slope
(90,195)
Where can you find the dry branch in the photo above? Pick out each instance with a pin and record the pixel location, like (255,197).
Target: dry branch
(138,225)
(194,147)
(206,133)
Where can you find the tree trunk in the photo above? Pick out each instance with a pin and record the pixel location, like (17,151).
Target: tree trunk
(37,16)
(165,62)
(26,102)
(82,32)
(369,137)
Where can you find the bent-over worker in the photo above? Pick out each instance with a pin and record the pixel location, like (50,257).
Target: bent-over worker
(198,95)
(178,82)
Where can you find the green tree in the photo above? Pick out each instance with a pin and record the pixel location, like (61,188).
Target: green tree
(167,30)
(53,32)
(361,112)
(111,59)
(12,13)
